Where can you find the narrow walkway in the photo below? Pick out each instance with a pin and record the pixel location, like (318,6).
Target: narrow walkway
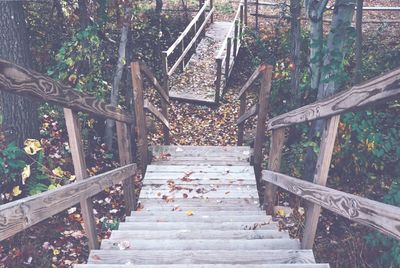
(196,83)
(199,208)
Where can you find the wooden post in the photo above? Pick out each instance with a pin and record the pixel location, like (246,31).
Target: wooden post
(256,15)
(241,23)
(245,13)
(164,110)
(78,159)
(235,39)
(195,32)
(320,177)
(125,158)
(211,6)
(263,101)
(140,114)
(218,81)
(182,50)
(227,59)
(242,109)
(274,164)
(164,57)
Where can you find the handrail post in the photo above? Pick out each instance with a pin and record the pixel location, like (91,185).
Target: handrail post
(227,59)
(125,158)
(195,32)
(320,177)
(211,6)
(241,23)
(218,80)
(140,115)
(78,159)
(242,109)
(263,101)
(182,50)
(245,13)
(164,57)
(235,39)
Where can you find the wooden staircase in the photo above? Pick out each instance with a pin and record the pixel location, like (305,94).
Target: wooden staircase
(199,208)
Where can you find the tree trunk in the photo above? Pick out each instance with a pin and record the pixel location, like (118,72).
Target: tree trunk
(295,39)
(157,46)
(109,131)
(358,47)
(19,115)
(84,19)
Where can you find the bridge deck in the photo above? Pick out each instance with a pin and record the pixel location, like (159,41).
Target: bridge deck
(199,208)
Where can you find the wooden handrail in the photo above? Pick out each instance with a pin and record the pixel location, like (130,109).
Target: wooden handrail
(153,110)
(367,93)
(162,91)
(247,114)
(21,81)
(251,80)
(21,214)
(379,216)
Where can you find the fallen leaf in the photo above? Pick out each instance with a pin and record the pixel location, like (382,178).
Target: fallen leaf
(190,213)
(26,172)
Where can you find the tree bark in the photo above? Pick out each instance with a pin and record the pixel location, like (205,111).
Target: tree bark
(84,19)
(19,115)
(358,47)
(157,46)
(295,39)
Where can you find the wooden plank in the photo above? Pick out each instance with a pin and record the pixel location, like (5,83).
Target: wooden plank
(176,188)
(23,213)
(125,158)
(201,150)
(292,265)
(242,110)
(251,80)
(179,213)
(201,256)
(200,169)
(367,93)
(200,244)
(263,101)
(201,163)
(274,164)
(150,108)
(202,234)
(21,81)
(140,115)
(220,184)
(198,218)
(189,195)
(78,159)
(202,158)
(227,58)
(198,226)
(320,177)
(379,216)
(162,91)
(218,80)
(249,113)
(201,177)
(222,204)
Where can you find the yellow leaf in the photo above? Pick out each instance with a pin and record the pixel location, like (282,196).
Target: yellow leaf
(32,146)
(72,178)
(56,251)
(280,212)
(26,172)
(16,191)
(58,172)
(190,213)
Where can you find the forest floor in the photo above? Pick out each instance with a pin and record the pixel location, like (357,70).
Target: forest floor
(60,241)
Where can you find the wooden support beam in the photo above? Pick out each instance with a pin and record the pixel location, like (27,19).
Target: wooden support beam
(150,108)
(150,75)
(245,12)
(320,177)
(164,58)
(19,215)
(242,110)
(274,164)
(78,159)
(247,114)
(126,158)
(140,115)
(218,80)
(379,216)
(227,59)
(235,40)
(251,80)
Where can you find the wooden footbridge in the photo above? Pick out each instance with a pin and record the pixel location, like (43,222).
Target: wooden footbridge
(199,206)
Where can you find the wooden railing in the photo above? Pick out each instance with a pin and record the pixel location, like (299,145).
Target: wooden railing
(260,109)
(142,105)
(21,214)
(179,43)
(228,52)
(382,217)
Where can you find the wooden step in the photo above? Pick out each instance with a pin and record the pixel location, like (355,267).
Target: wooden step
(200,256)
(175,217)
(248,176)
(201,162)
(223,213)
(199,244)
(199,234)
(207,204)
(198,225)
(243,152)
(290,265)
(198,169)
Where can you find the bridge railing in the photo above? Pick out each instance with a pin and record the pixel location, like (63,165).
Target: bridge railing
(142,105)
(382,217)
(23,213)
(228,52)
(197,26)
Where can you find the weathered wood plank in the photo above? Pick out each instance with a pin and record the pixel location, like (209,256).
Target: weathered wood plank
(19,215)
(78,159)
(247,114)
(379,216)
(202,158)
(179,217)
(198,226)
(175,188)
(201,163)
(146,70)
(320,177)
(242,110)
(251,80)
(18,80)
(224,213)
(367,93)
(202,234)
(202,256)
(292,265)
(198,177)
(204,169)
(150,108)
(225,204)
(201,244)
(186,194)
(201,150)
